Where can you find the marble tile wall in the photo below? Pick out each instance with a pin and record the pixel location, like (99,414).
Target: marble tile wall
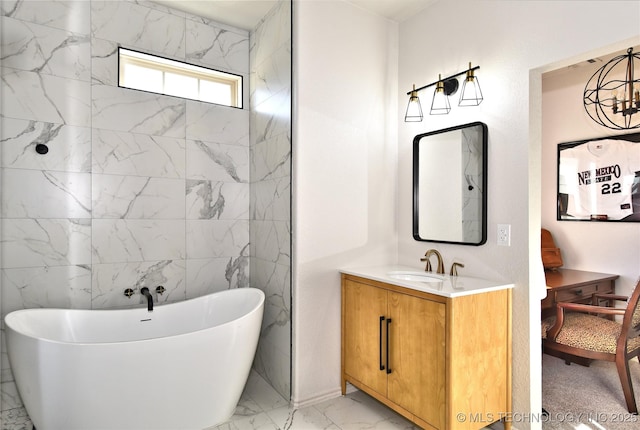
(271,191)
(137,189)
(472,198)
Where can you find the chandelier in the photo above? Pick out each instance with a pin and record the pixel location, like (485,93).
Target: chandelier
(612,94)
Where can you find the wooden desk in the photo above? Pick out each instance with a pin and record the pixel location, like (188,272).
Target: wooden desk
(577,286)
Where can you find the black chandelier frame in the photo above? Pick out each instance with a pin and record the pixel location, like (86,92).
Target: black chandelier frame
(612,98)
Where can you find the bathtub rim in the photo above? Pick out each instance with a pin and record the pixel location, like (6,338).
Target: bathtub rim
(16,313)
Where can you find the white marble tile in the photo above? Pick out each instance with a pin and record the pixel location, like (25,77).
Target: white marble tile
(275,364)
(263,394)
(137,197)
(217,200)
(15,419)
(122,109)
(41,97)
(215,123)
(260,421)
(47,50)
(217,238)
(10,399)
(308,418)
(273,32)
(65,15)
(272,76)
(69,146)
(67,287)
(110,281)
(272,117)
(148,29)
(217,48)
(271,199)
(357,411)
(45,242)
(119,241)
(271,158)
(210,275)
(218,162)
(45,194)
(104,62)
(270,241)
(123,153)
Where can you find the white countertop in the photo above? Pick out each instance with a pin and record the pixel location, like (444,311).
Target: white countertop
(447,286)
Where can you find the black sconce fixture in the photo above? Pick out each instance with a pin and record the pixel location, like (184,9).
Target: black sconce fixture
(471,95)
(612,94)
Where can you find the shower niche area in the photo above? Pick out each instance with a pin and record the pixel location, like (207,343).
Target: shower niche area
(139,189)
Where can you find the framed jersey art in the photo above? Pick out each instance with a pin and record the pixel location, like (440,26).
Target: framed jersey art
(599,179)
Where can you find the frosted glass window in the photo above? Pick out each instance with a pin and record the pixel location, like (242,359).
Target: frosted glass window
(146,72)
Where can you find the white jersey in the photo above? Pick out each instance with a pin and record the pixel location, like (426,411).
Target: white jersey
(598,177)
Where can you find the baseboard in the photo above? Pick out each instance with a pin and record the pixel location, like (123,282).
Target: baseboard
(332,394)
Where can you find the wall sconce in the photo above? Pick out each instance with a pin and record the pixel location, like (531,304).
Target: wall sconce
(612,94)
(414,110)
(471,95)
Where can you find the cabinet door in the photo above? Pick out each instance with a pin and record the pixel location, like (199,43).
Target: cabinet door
(417,357)
(363,307)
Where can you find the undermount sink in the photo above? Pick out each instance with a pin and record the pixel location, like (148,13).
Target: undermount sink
(416,276)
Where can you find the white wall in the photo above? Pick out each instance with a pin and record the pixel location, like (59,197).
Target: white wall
(344,177)
(510,41)
(597,247)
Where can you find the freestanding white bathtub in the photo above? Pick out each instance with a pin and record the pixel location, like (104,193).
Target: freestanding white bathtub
(182,366)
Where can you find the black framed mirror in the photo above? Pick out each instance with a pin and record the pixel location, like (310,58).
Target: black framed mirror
(599,179)
(450,185)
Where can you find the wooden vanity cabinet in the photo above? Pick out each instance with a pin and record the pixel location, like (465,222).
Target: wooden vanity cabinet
(431,358)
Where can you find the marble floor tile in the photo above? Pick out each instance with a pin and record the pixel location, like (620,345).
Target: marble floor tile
(262,408)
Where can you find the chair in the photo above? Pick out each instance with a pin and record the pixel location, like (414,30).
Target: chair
(578,331)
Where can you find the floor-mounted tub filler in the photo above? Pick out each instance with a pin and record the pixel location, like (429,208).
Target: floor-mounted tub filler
(182,366)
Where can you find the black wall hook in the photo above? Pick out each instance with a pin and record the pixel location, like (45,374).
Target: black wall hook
(42,149)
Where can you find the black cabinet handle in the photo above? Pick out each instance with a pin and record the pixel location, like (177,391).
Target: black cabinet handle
(388,365)
(380,343)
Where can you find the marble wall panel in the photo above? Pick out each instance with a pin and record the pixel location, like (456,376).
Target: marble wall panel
(209,275)
(273,76)
(217,47)
(137,197)
(123,153)
(45,194)
(41,97)
(272,117)
(271,158)
(45,242)
(104,62)
(67,287)
(217,161)
(122,109)
(69,146)
(110,281)
(145,28)
(220,124)
(271,199)
(135,240)
(65,15)
(217,200)
(41,49)
(216,238)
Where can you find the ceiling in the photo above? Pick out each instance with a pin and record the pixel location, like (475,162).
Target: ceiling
(247,13)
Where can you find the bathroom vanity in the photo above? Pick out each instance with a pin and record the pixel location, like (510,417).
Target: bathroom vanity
(434,348)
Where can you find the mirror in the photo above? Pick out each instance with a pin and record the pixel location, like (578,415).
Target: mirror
(449,185)
(599,179)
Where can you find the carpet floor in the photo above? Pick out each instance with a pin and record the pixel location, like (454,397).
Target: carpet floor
(586,398)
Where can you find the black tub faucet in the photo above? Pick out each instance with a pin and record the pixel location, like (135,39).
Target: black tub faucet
(145,292)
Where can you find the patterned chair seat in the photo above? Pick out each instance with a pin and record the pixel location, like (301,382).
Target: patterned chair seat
(588,332)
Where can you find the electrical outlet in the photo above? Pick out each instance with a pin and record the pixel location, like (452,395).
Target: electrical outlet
(504,234)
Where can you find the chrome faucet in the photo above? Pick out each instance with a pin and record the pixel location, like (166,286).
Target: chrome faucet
(427,258)
(145,292)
